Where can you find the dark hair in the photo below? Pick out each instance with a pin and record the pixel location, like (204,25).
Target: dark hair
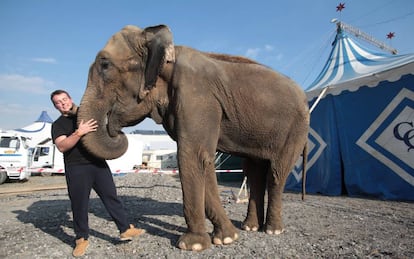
(56,92)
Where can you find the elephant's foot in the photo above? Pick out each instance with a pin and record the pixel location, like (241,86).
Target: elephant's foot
(250,225)
(225,236)
(194,241)
(271,230)
(275,232)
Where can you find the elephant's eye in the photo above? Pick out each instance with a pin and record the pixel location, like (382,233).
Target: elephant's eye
(104,64)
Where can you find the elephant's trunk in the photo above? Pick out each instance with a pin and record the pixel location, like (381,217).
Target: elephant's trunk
(100,143)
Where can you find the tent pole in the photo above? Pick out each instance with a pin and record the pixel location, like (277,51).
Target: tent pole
(319,98)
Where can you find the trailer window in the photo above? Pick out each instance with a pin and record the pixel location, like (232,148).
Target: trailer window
(9,142)
(4,142)
(44,151)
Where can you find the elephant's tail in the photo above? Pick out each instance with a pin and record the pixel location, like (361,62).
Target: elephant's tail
(304,161)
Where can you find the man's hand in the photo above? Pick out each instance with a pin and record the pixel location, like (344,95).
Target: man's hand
(86,127)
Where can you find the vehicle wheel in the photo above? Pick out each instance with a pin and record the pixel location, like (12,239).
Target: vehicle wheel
(3,176)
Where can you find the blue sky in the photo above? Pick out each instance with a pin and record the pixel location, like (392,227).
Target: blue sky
(49,44)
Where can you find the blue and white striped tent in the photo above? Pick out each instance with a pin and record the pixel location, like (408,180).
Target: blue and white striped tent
(361,140)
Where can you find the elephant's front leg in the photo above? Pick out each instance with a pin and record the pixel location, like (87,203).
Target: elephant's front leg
(224,231)
(193,187)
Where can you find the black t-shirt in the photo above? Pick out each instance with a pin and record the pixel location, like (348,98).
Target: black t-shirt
(78,154)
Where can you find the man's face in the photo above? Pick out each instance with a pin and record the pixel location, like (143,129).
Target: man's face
(63,103)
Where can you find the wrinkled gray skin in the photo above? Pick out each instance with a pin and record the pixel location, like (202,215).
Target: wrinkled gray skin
(206,102)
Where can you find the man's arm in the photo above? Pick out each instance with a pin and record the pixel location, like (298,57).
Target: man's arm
(65,143)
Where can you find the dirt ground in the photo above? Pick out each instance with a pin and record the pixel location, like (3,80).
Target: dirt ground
(38,224)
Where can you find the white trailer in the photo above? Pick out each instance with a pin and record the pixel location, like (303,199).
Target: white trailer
(159,159)
(15,156)
(47,160)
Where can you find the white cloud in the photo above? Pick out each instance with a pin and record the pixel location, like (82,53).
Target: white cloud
(252,52)
(20,83)
(45,60)
(256,52)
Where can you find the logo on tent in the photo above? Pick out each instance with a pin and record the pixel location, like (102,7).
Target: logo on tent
(390,138)
(315,147)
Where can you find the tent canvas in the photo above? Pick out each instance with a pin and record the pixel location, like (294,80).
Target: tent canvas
(38,131)
(366,121)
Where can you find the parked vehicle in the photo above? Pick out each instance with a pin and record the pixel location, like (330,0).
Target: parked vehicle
(47,160)
(159,159)
(15,156)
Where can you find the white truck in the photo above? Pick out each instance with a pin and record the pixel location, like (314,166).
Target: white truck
(15,156)
(47,159)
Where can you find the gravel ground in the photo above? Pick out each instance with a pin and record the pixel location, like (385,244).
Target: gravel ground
(39,224)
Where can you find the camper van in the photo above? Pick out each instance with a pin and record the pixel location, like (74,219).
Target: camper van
(15,157)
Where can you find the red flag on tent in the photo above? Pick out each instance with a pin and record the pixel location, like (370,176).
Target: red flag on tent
(340,7)
(390,35)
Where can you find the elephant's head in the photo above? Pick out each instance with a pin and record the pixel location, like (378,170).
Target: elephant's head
(119,86)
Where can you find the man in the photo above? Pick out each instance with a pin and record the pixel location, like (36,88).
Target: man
(83,172)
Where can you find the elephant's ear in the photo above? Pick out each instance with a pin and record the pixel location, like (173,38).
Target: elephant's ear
(160,51)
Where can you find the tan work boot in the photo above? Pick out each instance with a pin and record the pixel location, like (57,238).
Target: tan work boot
(131,232)
(80,248)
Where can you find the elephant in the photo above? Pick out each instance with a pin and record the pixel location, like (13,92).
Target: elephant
(206,102)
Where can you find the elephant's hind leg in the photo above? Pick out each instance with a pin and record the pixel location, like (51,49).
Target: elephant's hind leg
(276,179)
(256,175)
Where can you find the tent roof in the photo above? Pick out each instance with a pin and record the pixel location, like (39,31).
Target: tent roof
(38,125)
(37,132)
(44,117)
(349,60)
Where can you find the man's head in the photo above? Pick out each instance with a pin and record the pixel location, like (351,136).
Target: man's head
(62,102)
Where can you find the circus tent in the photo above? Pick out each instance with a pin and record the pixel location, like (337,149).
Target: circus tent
(361,140)
(38,131)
